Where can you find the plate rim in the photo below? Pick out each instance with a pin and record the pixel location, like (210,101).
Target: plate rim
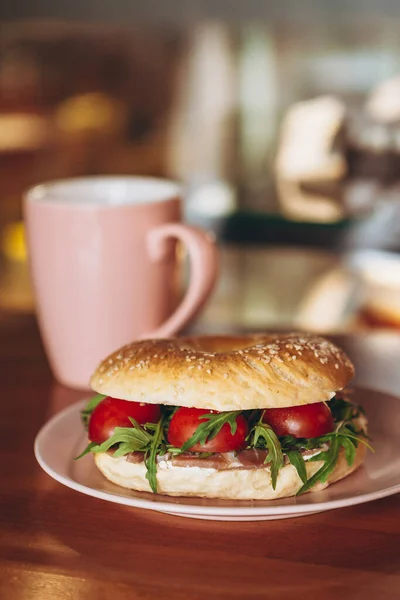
(180,507)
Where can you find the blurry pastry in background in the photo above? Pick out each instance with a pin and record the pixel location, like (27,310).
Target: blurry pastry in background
(310,163)
(328,304)
(379,276)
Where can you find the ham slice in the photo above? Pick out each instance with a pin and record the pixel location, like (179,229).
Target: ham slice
(252,458)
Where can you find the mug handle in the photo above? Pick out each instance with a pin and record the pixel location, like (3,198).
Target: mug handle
(203,255)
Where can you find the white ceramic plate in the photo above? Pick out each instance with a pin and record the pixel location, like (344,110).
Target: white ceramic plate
(62,438)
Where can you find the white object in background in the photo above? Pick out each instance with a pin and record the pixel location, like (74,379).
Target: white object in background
(200,126)
(378,274)
(307,134)
(383,104)
(305,153)
(326,306)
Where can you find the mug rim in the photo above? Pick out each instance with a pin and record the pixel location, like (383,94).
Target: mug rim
(56,192)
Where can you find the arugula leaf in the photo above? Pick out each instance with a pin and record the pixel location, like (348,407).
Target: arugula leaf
(87,450)
(89,408)
(263,435)
(210,425)
(135,439)
(350,449)
(296,459)
(341,409)
(330,459)
(343,437)
(150,458)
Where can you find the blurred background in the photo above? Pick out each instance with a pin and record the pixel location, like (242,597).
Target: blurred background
(283,123)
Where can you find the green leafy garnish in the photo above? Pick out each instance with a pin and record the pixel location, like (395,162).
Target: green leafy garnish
(296,459)
(148,439)
(343,437)
(263,436)
(150,458)
(211,424)
(89,408)
(342,410)
(330,459)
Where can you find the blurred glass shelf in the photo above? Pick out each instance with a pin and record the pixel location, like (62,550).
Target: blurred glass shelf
(380,230)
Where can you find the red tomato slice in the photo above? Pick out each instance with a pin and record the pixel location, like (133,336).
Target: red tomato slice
(112,413)
(185,422)
(311,420)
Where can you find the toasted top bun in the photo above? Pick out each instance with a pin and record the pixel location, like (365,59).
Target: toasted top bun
(226,373)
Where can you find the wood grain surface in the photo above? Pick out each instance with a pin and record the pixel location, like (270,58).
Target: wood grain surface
(57,544)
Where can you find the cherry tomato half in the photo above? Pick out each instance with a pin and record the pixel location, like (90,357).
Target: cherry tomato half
(185,422)
(311,420)
(112,413)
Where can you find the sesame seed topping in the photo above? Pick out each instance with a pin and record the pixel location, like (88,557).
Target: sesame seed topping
(336,366)
(209,371)
(226,375)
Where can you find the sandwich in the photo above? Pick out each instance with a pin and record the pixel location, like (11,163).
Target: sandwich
(254,417)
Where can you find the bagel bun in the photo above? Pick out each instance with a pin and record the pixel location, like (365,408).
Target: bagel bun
(225,373)
(231,484)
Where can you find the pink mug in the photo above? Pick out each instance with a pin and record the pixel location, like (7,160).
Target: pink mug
(102,254)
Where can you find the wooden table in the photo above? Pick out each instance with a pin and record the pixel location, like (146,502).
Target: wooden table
(57,544)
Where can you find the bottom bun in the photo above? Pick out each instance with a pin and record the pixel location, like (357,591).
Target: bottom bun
(230,484)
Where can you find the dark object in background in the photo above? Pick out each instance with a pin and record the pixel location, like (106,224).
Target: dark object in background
(372,149)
